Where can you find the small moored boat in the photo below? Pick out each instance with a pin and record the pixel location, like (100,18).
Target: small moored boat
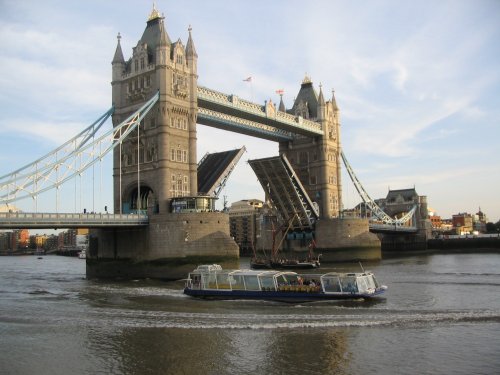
(211,281)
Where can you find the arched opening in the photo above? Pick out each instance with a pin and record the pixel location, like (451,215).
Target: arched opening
(139,200)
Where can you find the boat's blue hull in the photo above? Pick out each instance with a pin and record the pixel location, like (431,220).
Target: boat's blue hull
(276,295)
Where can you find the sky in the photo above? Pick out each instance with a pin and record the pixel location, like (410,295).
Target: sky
(417,84)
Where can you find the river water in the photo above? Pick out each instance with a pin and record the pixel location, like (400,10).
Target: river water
(441,315)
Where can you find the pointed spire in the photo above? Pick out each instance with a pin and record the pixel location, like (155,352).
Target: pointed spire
(334,102)
(154,13)
(282,105)
(118,58)
(164,39)
(190,50)
(321,99)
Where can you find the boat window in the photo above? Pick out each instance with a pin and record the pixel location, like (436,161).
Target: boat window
(195,280)
(292,279)
(209,280)
(281,280)
(237,282)
(362,287)
(251,282)
(223,280)
(267,282)
(370,282)
(375,281)
(348,284)
(331,284)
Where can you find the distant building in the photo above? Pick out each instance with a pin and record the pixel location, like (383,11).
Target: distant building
(398,203)
(243,223)
(20,239)
(462,223)
(479,221)
(73,238)
(446,226)
(4,241)
(37,241)
(51,242)
(436,222)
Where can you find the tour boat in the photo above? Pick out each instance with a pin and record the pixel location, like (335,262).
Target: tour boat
(211,281)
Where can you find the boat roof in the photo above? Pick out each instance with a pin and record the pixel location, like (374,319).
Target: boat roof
(246,272)
(215,268)
(356,274)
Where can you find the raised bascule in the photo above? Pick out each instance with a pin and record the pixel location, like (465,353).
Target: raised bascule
(157,105)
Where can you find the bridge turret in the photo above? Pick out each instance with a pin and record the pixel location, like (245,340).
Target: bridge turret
(334,135)
(334,102)
(281,106)
(321,105)
(118,67)
(192,63)
(191,55)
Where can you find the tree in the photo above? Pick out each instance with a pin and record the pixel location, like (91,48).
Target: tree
(493,227)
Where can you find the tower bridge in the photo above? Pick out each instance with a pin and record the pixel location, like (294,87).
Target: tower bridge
(157,105)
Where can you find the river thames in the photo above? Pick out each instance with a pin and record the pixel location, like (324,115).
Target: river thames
(440,315)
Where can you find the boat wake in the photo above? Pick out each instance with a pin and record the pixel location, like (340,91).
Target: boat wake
(110,318)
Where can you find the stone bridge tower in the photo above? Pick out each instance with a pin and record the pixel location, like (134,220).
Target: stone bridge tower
(158,161)
(317,160)
(157,165)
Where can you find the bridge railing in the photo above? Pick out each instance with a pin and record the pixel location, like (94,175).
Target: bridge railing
(61,219)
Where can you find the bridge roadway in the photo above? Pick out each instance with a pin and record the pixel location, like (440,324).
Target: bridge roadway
(25,220)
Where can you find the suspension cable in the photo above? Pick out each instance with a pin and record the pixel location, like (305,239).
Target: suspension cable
(16,186)
(374,207)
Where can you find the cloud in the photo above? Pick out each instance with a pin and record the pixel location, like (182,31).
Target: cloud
(404,76)
(47,132)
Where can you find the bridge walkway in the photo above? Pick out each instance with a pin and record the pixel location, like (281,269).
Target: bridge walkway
(26,220)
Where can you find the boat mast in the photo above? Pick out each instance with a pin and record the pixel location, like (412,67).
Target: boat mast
(275,250)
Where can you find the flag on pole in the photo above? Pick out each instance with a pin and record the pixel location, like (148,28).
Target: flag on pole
(249,79)
(280,91)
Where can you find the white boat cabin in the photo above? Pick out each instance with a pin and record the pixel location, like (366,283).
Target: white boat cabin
(213,277)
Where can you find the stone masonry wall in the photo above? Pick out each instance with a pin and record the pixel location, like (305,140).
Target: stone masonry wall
(344,233)
(168,236)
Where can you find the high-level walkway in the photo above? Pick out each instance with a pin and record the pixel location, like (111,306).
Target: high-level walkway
(229,112)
